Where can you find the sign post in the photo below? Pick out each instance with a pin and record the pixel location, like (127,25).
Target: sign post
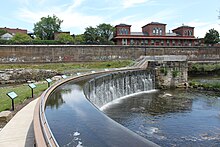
(12,95)
(48,81)
(32,86)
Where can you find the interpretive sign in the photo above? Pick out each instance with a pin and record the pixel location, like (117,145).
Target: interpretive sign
(12,96)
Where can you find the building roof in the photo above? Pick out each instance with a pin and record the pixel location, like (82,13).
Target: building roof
(154,23)
(172,34)
(123,25)
(137,33)
(14,30)
(183,26)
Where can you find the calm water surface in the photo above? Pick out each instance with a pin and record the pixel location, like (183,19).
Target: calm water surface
(171,118)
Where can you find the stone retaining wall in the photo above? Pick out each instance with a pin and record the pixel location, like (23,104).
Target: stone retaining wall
(71,53)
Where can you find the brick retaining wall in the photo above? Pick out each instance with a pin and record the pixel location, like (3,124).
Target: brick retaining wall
(71,53)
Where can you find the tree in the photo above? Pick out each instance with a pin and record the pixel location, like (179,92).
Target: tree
(65,38)
(91,35)
(99,35)
(47,26)
(2,32)
(105,32)
(211,37)
(21,38)
(79,39)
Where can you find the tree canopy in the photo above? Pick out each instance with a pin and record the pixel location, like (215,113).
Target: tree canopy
(65,38)
(2,32)
(99,35)
(21,38)
(47,26)
(211,37)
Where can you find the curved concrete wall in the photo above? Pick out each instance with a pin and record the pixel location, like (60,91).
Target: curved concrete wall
(44,136)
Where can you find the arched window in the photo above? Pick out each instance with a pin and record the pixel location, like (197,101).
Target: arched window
(161,31)
(157,31)
(154,31)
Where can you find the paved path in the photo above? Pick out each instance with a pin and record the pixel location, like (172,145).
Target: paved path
(19,131)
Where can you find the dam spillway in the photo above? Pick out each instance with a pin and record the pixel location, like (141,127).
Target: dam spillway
(75,120)
(107,88)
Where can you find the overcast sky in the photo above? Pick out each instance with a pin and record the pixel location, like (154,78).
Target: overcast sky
(79,14)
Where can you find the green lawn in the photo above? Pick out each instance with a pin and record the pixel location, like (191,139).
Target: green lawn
(23,92)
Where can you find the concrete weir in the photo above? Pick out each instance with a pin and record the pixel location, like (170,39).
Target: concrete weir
(95,128)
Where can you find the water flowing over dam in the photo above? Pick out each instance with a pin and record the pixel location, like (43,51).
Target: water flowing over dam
(73,105)
(105,89)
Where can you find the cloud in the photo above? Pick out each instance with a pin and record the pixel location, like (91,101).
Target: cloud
(201,28)
(72,19)
(132,3)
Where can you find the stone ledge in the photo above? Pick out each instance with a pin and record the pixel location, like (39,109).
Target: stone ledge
(5,116)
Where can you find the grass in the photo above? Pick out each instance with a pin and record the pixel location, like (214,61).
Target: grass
(212,85)
(23,92)
(62,67)
(205,67)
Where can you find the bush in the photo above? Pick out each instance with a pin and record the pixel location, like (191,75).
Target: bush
(164,71)
(175,73)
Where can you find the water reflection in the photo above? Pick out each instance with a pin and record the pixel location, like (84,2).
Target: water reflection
(55,99)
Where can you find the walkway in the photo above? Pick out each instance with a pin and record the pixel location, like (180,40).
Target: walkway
(19,131)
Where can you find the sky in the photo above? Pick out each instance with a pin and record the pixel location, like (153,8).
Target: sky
(79,14)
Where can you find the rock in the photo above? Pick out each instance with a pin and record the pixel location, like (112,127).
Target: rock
(56,78)
(5,116)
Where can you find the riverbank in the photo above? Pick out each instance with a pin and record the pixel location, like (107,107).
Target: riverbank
(204,69)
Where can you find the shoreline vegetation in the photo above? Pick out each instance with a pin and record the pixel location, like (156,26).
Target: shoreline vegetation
(207,70)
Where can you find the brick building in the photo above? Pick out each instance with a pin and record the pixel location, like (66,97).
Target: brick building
(155,34)
(13,31)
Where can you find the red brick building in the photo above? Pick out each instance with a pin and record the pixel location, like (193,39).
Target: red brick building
(155,34)
(14,31)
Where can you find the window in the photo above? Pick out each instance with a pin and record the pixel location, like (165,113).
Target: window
(168,42)
(190,33)
(161,42)
(123,31)
(179,42)
(142,42)
(124,41)
(152,42)
(146,42)
(157,31)
(161,31)
(132,42)
(174,42)
(154,31)
(185,42)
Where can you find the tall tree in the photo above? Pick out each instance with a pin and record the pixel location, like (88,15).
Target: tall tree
(211,37)
(91,35)
(47,26)
(99,35)
(105,31)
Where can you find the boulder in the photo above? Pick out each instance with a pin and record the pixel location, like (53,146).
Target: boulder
(5,116)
